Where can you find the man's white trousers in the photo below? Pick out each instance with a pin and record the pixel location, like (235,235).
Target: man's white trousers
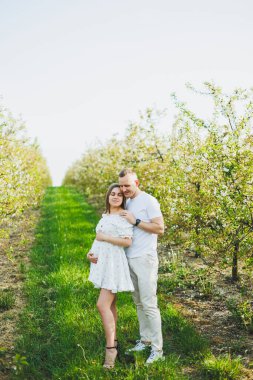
(144,274)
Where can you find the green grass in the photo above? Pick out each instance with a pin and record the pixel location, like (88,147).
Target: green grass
(60,331)
(223,367)
(242,312)
(7,299)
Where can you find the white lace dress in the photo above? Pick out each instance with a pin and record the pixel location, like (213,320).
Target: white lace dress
(111,271)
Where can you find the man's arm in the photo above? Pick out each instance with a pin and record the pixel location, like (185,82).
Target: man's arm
(155,226)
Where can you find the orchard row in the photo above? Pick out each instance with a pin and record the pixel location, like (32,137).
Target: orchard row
(201,171)
(23,175)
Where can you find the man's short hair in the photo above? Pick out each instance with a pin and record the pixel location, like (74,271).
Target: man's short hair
(126,171)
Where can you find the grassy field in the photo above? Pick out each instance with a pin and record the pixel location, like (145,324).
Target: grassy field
(60,332)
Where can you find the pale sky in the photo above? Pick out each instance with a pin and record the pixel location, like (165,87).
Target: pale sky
(77,70)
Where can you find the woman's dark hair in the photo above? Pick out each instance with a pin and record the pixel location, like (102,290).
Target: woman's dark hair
(107,204)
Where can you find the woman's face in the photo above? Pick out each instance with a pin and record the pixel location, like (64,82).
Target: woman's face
(116,197)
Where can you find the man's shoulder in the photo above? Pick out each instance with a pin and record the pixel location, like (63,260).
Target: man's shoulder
(148,201)
(143,197)
(149,197)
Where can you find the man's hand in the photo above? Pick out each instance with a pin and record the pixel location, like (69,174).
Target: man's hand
(128,216)
(91,258)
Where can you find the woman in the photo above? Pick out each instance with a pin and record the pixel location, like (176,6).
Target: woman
(109,269)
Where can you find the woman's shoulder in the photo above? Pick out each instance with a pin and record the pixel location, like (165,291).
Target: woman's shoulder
(116,219)
(124,223)
(111,218)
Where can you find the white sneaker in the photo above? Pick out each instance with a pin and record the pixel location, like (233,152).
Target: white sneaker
(155,356)
(140,346)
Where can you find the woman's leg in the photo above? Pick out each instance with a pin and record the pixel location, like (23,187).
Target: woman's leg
(104,303)
(115,315)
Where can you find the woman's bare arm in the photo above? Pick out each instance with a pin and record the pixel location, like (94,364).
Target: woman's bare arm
(122,242)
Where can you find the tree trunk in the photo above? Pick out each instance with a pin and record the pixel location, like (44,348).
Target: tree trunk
(235,276)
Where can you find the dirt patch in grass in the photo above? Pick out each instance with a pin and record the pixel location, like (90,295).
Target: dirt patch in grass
(13,266)
(204,303)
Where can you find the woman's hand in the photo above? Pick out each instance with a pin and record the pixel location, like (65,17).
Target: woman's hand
(100,236)
(91,258)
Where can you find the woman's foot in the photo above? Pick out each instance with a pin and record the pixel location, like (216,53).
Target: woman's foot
(110,357)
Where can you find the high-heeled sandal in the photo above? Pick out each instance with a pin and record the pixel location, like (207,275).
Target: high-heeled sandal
(110,357)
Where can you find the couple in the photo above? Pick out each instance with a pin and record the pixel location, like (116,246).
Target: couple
(134,225)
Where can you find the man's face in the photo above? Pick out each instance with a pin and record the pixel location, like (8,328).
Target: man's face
(128,185)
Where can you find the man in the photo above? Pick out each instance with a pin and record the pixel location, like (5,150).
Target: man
(143,211)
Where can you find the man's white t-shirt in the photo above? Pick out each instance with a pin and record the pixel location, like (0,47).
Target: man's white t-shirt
(145,207)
